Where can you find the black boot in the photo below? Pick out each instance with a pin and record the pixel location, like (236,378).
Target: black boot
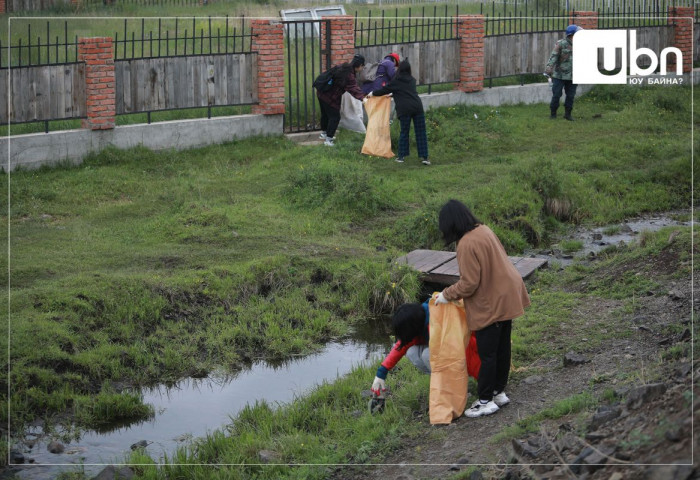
(552,113)
(567,115)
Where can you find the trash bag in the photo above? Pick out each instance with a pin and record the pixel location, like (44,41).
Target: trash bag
(378,137)
(449,340)
(351,114)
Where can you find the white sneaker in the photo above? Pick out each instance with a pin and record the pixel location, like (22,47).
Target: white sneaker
(501,399)
(329,142)
(322,136)
(425,161)
(480,409)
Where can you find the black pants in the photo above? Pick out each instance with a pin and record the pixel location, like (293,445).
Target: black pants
(330,118)
(493,344)
(568,87)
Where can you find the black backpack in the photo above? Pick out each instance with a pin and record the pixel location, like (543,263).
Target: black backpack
(324,81)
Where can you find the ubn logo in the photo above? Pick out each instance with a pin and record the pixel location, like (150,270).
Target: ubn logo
(613,45)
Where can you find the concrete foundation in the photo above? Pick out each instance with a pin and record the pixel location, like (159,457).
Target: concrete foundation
(494,97)
(71,146)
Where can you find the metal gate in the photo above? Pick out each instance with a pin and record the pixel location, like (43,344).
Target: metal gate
(306,55)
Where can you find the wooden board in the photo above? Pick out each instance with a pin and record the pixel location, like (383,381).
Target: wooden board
(442,268)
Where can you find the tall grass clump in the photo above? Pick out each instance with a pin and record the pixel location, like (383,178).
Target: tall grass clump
(339,189)
(380,288)
(417,229)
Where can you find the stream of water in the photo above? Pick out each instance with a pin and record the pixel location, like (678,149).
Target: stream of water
(194,407)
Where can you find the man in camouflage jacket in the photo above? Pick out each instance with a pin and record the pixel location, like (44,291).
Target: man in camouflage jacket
(559,68)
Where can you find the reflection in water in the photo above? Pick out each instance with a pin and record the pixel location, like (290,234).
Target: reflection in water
(193,407)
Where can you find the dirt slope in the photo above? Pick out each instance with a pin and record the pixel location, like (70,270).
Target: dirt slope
(645,429)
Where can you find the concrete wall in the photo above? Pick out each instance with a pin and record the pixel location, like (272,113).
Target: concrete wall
(38,149)
(511,95)
(515,94)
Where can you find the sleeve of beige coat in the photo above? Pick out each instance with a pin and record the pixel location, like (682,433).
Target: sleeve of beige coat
(469,273)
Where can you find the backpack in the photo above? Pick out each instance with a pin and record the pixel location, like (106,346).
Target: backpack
(369,73)
(324,81)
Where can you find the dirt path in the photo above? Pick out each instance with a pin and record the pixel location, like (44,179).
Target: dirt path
(627,356)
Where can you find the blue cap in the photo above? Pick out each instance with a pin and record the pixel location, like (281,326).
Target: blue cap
(571,29)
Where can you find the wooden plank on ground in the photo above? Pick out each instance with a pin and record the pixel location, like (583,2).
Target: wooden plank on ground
(425,260)
(442,268)
(527,266)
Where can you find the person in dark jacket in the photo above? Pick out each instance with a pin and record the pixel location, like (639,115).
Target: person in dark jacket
(386,71)
(408,107)
(343,81)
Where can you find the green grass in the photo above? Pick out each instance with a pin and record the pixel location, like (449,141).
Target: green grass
(141,267)
(569,246)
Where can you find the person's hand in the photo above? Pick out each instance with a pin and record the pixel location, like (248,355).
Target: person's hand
(440,298)
(379,387)
(364,100)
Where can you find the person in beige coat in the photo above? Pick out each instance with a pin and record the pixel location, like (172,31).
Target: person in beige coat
(494,294)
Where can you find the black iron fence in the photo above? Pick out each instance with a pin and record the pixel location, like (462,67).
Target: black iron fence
(179,36)
(37,48)
(142,3)
(55,43)
(306,55)
(505,17)
(415,26)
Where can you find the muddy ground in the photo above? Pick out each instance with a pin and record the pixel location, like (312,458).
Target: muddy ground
(644,431)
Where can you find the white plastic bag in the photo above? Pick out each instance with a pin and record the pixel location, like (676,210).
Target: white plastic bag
(351,114)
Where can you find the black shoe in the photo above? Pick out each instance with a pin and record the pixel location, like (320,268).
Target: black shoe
(552,114)
(568,116)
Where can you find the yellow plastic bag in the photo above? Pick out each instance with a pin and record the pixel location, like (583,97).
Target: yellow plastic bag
(378,137)
(449,336)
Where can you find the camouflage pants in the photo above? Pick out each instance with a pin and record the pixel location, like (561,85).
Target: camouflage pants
(568,87)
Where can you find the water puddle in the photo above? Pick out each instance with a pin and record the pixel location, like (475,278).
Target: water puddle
(594,240)
(193,407)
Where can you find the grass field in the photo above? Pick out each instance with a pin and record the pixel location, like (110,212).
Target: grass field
(141,267)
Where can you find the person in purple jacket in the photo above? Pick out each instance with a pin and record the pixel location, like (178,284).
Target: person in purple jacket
(386,71)
(343,81)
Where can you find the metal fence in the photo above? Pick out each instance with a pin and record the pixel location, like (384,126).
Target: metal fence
(505,18)
(416,26)
(180,36)
(55,43)
(306,55)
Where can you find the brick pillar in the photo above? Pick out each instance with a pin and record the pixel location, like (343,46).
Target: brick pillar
(3,6)
(342,39)
(471,53)
(682,20)
(268,42)
(585,20)
(99,78)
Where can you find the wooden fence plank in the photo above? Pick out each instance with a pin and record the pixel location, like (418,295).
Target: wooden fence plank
(44,93)
(4,98)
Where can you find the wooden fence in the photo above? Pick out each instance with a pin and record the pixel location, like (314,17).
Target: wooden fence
(56,92)
(431,62)
(48,92)
(506,55)
(16,6)
(167,83)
